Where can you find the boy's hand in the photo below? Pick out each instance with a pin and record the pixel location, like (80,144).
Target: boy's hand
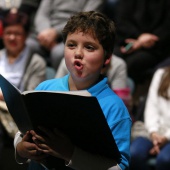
(54,143)
(29,150)
(1,95)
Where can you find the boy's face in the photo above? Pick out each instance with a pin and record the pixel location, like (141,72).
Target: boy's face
(84,56)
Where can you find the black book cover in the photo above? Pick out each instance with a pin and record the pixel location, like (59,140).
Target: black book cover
(79,117)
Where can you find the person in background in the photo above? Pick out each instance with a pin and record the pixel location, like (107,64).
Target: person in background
(156,120)
(49,20)
(23,68)
(88,38)
(142,36)
(5,6)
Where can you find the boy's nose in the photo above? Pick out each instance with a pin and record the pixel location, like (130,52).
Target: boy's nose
(79,54)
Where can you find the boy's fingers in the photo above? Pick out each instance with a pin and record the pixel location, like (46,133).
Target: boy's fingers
(27,136)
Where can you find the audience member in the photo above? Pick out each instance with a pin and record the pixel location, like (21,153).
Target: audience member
(144,27)
(155,142)
(18,64)
(49,21)
(89,40)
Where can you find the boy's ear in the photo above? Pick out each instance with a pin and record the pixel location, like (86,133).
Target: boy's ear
(107,61)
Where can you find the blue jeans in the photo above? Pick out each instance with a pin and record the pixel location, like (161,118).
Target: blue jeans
(140,153)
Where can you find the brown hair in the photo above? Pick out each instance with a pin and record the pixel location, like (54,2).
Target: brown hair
(165,84)
(16,18)
(95,23)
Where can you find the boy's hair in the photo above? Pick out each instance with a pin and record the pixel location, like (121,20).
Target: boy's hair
(15,17)
(95,23)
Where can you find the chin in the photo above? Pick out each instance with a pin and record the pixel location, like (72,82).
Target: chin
(77,75)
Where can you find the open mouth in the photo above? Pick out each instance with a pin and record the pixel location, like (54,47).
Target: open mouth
(78,65)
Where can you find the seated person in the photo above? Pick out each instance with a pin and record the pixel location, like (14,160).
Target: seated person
(145,33)
(24,69)
(155,141)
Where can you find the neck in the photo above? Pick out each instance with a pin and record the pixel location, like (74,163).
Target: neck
(12,56)
(77,85)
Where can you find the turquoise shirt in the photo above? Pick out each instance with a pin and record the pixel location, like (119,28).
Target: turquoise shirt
(113,108)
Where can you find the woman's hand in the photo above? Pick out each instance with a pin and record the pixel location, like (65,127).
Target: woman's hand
(158,142)
(54,143)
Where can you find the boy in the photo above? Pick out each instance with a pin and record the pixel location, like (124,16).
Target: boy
(89,39)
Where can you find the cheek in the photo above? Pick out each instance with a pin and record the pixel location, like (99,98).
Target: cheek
(95,62)
(21,41)
(5,40)
(67,52)
(67,57)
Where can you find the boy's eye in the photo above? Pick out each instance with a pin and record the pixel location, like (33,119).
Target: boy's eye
(90,48)
(71,45)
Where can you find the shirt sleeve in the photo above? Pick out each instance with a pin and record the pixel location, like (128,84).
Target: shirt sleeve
(117,73)
(42,17)
(151,112)
(18,139)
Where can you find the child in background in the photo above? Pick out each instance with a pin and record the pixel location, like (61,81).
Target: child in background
(89,40)
(156,120)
